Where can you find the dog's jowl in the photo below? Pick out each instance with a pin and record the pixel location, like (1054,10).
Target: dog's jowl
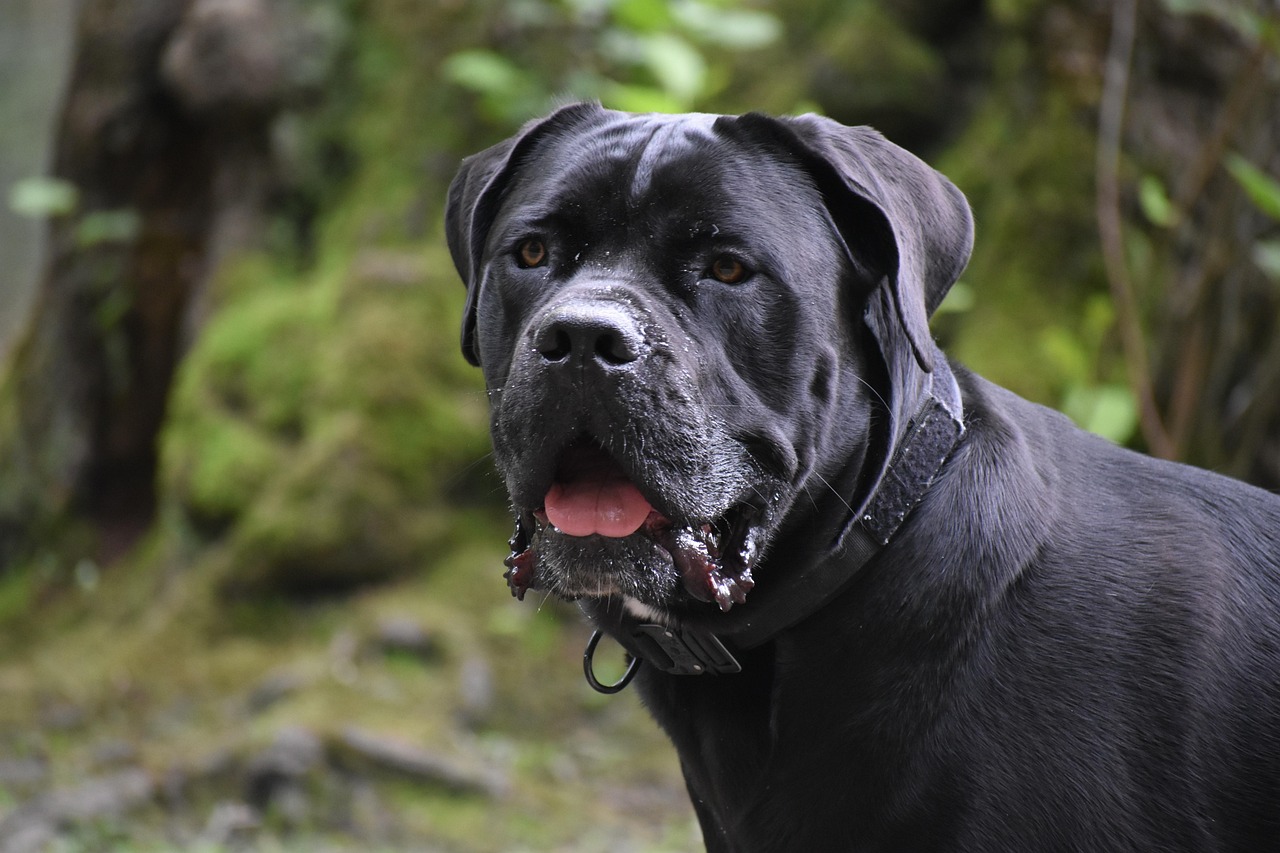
(877,603)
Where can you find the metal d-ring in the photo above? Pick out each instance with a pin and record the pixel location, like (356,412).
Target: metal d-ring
(588,669)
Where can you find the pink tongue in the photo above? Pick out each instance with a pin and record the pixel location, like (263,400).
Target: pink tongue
(611,507)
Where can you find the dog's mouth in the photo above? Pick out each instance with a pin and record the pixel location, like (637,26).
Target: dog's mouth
(594,507)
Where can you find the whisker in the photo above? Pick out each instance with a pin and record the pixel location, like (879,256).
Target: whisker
(467,470)
(872,389)
(839,496)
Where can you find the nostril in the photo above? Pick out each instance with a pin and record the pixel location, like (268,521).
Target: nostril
(615,349)
(586,332)
(557,346)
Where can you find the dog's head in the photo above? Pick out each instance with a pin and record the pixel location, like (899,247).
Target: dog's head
(698,334)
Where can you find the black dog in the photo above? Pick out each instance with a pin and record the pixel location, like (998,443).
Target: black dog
(878,603)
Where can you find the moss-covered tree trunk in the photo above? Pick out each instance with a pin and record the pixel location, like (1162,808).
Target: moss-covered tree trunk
(164,136)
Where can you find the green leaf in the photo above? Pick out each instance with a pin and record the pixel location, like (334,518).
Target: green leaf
(484,72)
(638,99)
(643,16)
(37,198)
(1155,202)
(679,69)
(107,226)
(508,94)
(741,29)
(1262,189)
(1107,410)
(1266,254)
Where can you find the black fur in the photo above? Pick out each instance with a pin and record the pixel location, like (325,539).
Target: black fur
(1067,646)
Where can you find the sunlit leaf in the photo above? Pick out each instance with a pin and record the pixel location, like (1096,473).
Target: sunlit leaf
(1266,254)
(679,69)
(1155,202)
(622,46)
(743,29)
(508,94)
(639,99)
(1062,351)
(1262,189)
(1108,410)
(643,16)
(483,71)
(37,198)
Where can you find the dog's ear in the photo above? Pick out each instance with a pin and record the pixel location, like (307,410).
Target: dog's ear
(475,196)
(925,232)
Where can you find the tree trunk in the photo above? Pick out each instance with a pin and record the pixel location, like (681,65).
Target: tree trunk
(165,135)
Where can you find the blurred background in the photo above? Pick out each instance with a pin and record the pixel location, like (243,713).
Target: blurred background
(250,538)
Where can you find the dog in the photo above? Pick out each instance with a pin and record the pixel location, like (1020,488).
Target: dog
(876,602)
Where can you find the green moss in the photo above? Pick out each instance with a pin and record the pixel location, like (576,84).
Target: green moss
(316,425)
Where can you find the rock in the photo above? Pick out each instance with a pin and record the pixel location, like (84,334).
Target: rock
(23,772)
(293,754)
(36,821)
(35,837)
(475,690)
(62,716)
(405,635)
(231,823)
(272,689)
(114,753)
(360,750)
(109,796)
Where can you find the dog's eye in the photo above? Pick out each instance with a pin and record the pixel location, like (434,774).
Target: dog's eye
(532,253)
(728,270)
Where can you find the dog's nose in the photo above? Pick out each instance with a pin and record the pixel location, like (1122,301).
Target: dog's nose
(586,332)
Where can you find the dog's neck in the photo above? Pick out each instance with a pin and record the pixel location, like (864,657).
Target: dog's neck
(705,644)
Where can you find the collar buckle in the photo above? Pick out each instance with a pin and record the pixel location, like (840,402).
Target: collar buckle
(683,652)
(670,649)
(697,647)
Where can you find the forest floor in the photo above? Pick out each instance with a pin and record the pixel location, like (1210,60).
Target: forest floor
(140,711)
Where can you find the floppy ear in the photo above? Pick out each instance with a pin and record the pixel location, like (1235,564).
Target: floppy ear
(925,219)
(473,201)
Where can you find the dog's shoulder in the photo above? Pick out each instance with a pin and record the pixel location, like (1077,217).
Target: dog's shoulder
(1046,502)
(1047,451)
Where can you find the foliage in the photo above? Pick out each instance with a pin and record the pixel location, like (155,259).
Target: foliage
(638,55)
(1040,322)
(1262,189)
(312,425)
(324,458)
(40,197)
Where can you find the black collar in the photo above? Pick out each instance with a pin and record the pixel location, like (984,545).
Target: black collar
(707,645)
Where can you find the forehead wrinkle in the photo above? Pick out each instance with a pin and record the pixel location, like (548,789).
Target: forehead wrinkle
(620,159)
(667,141)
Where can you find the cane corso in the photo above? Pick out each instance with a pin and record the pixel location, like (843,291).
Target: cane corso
(876,602)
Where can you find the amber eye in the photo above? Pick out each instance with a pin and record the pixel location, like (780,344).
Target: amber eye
(728,270)
(532,253)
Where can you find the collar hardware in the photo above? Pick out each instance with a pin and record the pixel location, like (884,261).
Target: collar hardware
(589,669)
(668,648)
(699,647)
(683,652)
